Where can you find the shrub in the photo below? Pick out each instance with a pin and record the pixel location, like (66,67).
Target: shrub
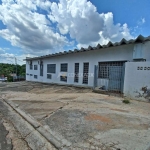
(126,101)
(9,79)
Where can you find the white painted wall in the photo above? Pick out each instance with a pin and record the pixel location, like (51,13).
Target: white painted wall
(119,53)
(136,79)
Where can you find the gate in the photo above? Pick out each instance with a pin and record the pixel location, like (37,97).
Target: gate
(116,75)
(111,76)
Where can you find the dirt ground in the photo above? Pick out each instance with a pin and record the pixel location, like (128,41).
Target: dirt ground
(87,120)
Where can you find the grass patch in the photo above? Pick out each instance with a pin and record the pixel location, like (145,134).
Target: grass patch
(126,101)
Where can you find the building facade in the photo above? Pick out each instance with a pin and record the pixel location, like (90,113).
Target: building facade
(122,67)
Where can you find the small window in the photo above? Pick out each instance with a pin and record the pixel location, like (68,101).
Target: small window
(35,76)
(27,74)
(49,76)
(63,78)
(31,75)
(51,68)
(64,67)
(35,67)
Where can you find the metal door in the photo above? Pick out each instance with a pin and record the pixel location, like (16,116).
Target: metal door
(116,75)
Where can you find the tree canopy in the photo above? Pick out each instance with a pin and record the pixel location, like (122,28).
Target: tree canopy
(8,69)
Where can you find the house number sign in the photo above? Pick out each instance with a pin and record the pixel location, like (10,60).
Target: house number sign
(143,68)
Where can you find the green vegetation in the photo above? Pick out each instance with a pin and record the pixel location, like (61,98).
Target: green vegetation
(126,101)
(7,69)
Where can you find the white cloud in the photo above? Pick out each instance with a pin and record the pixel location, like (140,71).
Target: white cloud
(6,57)
(28,29)
(141,21)
(34,32)
(82,21)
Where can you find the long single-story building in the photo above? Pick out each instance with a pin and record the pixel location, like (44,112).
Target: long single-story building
(122,67)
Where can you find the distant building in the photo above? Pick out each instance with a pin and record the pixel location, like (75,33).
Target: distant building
(122,67)
(13,75)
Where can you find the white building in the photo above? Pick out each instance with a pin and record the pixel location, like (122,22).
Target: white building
(122,67)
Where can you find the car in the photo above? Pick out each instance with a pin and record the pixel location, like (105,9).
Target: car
(3,79)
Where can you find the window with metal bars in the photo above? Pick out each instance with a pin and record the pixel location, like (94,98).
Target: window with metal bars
(41,69)
(63,78)
(64,67)
(31,66)
(51,68)
(35,67)
(104,68)
(85,73)
(35,76)
(49,76)
(76,71)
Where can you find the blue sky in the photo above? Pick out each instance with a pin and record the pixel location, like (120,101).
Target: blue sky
(37,27)
(128,11)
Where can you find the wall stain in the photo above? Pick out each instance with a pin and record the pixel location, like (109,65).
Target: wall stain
(145,93)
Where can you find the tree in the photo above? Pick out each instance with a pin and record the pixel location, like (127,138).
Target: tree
(7,69)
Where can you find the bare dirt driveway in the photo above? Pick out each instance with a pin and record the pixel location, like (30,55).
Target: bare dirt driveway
(85,119)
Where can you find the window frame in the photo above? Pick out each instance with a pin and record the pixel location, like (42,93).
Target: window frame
(61,70)
(41,69)
(63,77)
(52,68)
(49,75)
(35,67)
(35,76)
(31,66)
(85,78)
(76,72)
(105,71)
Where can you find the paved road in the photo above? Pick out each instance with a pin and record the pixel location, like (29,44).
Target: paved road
(5,144)
(10,139)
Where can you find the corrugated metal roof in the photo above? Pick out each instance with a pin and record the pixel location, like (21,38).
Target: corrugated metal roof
(139,39)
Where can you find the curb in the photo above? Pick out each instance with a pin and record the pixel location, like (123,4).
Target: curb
(54,140)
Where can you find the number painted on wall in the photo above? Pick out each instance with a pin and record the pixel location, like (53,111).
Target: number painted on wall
(143,68)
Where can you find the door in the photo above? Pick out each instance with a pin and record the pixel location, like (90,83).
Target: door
(115,78)
(111,76)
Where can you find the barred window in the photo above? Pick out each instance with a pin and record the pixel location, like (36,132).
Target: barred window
(49,76)
(64,67)
(104,68)
(41,69)
(85,73)
(76,71)
(63,78)
(31,66)
(35,76)
(51,68)
(35,67)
